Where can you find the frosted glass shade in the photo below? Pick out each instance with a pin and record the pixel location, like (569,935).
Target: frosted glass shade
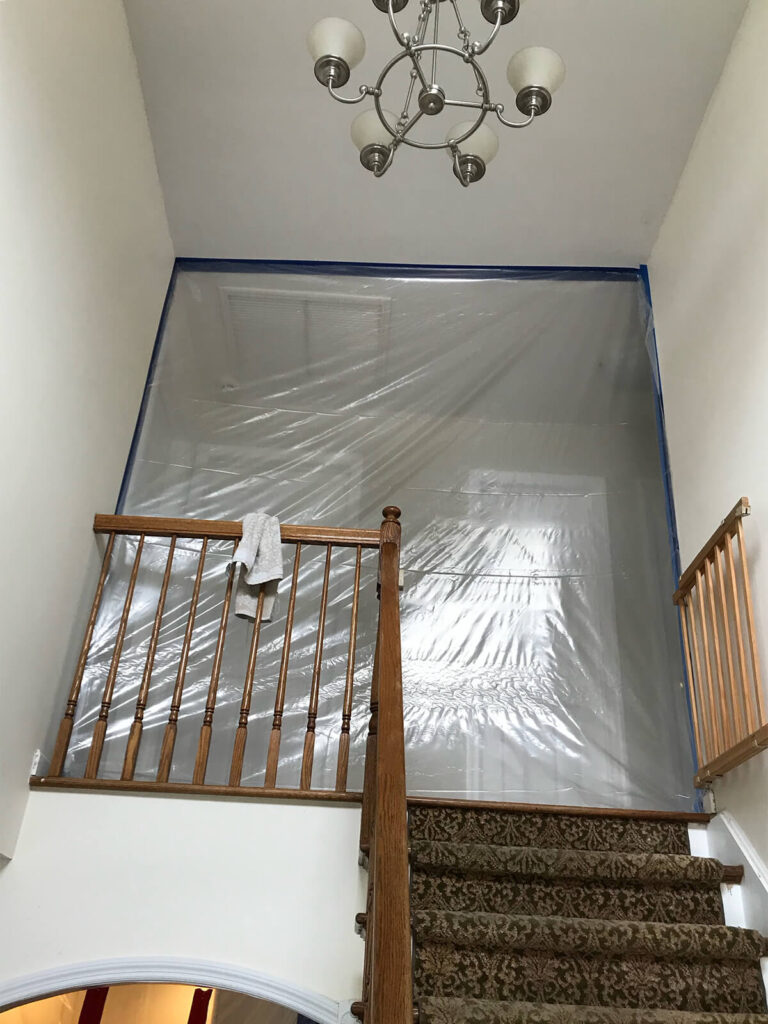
(336,37)
(484,143)
(367,129)
(536,65)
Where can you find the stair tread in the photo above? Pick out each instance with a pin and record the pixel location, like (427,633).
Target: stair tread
(442,1010)
(590,937)
(547,829)
(557,862)
(612,900)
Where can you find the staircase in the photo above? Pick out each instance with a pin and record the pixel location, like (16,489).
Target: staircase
(544,917)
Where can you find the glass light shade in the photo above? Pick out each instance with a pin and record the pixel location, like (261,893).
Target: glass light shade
(367,129)
(536,65)
(336,37)
(483,143)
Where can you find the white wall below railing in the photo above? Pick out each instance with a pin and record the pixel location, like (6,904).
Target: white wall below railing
(259,886)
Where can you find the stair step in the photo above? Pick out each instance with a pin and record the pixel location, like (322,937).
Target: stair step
(526,862)
(578,831)
(587,937)
(542,976)
(610,900)
(482,1011)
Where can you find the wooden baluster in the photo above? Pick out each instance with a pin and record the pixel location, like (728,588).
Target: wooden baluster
(273,754)
(241,735)
(391,996)
(749,614)
(706,718)
(342,765)
(682,609)
(169,737)
(726,714)
(65,728)
(100,729)
(314,692)
(134,737)
(717,729)
(737,696)
(206,730)
(739,629)
(368,812)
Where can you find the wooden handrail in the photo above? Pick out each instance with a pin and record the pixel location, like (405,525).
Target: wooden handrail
(725,529)
(224,529)
(391,996)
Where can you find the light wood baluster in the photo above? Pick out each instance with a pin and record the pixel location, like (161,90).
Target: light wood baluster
(682,609)
(737,695)
(750,617)
(273,754)
(100,729)
(314,694)
(206,729)
(65,728)
(726,716)
(241,735)
(717,726)
(733,587)
(706,718)
(342,765)
(391,995)
(134,737)
(169,737)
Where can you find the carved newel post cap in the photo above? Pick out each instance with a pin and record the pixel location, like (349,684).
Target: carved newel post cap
(391,514)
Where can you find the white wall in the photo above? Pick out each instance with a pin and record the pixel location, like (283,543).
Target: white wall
(266,886)
(85,260)
(709,279)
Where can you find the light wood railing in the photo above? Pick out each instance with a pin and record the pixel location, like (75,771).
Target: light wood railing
(727,701)
(387,995)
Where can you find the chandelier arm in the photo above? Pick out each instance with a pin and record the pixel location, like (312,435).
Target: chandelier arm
(457,166)
(416,58)
(365,91)
(388,162)
(399,36)
(435,40)
(473,104)
(423,25)
(478,48)
(499,110)
(404,131)
(463,33)
(405,113)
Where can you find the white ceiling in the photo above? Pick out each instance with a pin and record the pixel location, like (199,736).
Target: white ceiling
(256,161)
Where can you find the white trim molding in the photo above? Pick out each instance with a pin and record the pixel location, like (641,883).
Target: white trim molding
(751,856)
(169,970)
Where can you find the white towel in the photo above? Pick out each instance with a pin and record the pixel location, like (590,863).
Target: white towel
(260,557)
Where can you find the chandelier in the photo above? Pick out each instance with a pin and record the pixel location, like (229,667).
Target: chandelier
(535,73)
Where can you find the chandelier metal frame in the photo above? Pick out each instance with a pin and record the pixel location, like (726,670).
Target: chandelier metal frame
(533,100)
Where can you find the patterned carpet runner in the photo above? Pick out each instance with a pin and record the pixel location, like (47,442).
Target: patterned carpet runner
(534,918)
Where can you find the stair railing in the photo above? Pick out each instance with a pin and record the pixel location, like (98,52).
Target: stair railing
(144,531)
(714,600)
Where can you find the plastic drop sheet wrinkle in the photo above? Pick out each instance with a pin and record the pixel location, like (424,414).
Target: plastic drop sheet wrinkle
(513,422)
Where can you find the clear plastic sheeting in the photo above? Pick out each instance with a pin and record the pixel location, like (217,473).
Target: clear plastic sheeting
(513,421)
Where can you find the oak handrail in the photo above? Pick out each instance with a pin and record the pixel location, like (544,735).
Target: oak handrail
(390,999)
(226,529)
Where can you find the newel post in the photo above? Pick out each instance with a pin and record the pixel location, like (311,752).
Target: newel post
(391,995)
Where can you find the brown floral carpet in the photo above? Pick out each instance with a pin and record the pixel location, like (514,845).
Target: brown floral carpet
(534,918)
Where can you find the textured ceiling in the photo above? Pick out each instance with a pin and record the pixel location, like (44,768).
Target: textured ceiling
(256,161)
